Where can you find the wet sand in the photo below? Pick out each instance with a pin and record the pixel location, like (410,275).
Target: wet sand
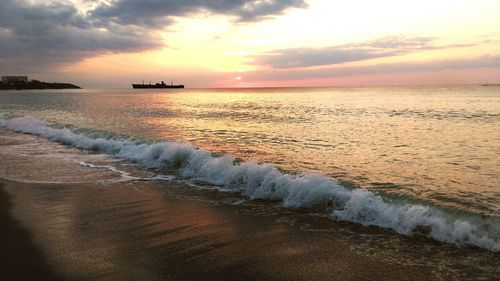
(19,258)
(76,228)
(88,232)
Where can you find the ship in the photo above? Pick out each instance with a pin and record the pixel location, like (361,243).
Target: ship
(161,85)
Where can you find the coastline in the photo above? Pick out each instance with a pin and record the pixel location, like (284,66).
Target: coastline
(130,230)
(37,85)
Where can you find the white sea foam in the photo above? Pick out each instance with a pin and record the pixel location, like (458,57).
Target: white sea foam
(125,176)
(261,181)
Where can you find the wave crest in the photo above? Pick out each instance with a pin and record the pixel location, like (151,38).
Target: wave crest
(263,181)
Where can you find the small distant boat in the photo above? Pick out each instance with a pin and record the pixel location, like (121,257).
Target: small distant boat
(161,85)
(489,85)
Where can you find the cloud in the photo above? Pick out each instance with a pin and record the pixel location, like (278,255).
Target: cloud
(154,13)
(388,68)
(35,36)
(382,47)
(41,35)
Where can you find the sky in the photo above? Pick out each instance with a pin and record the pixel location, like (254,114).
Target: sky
(251,43)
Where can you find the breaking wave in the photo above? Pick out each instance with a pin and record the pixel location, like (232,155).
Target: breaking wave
(263,181)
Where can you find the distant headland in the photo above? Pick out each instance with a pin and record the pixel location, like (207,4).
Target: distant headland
(23,83)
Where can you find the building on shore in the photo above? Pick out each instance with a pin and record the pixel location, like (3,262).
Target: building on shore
(14,79)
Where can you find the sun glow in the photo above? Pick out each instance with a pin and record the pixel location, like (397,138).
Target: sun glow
(208,47)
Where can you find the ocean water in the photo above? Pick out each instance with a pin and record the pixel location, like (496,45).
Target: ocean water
(414,159)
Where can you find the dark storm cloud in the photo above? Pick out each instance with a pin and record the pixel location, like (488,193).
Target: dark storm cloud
(156,12)
(39,36)
(379,48)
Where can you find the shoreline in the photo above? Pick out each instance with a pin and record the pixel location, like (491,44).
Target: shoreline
(37,85)
(84,229)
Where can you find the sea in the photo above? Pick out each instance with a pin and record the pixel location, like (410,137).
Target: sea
(415,160)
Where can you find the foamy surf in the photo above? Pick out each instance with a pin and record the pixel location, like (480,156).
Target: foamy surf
(126,176)
(262,181)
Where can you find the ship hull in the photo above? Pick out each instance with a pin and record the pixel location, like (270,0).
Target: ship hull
(160,86)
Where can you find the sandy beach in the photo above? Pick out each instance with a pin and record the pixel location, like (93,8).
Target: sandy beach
(20,259)
(60,223)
